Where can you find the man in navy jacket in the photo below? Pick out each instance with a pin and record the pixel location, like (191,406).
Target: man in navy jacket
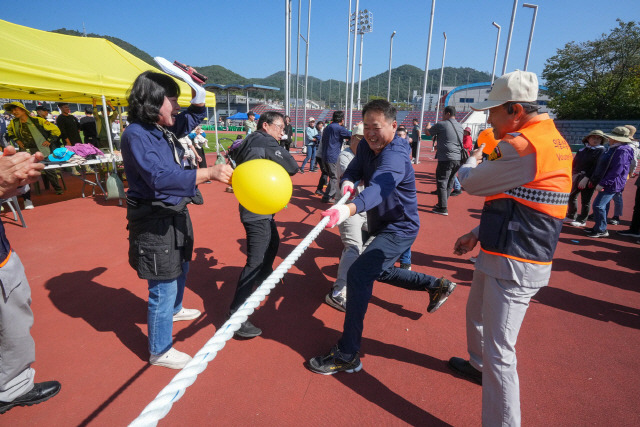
(332,138)
(383,165)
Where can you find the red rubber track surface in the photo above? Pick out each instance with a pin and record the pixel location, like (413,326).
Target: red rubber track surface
(577,350)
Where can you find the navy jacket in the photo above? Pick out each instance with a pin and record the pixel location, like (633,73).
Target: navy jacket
(389,197)
(332,138)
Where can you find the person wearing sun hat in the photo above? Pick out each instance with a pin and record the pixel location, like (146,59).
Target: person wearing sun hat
(584,164)
(33,134)
(610,177)
(634,227)
(526,184)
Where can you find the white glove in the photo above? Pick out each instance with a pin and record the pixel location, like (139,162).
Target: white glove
(348,186)
(337,215)
(583,183)
(172,70)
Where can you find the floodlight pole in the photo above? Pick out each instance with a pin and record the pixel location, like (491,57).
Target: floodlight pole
(346,88)
(360,68)
(287,52)
(506,52)
(306,70)
(353,65)
(533,24)
(444,51)
(390,56)
(295,124)
(426,78)
(495,55)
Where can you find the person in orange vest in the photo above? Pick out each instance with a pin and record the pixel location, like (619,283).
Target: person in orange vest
(526,182)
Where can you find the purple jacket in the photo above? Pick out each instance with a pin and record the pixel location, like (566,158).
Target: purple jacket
(615,177)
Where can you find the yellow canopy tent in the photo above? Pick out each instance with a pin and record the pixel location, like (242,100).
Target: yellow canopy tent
(44,66)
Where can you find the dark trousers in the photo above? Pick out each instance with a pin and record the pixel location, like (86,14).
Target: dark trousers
(262,247)
(203,163)
(324,175)
(332,187)
(585,198)
(377,263)
(445,175)
(635,219)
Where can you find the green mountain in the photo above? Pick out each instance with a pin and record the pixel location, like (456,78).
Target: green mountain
(404,79)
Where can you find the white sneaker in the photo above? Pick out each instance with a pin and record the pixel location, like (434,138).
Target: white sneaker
(186,314)
(28,204)
(172,359)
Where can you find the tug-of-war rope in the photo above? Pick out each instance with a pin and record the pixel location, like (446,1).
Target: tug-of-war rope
(161,405)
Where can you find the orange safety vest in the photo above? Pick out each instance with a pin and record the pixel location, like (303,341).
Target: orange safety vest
(524,223)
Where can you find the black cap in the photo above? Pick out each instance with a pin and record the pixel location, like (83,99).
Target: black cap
(42,108)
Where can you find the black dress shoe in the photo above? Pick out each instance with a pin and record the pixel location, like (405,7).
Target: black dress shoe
(248,330)
(38,394)
(328,200)
(464,368)
(320,193)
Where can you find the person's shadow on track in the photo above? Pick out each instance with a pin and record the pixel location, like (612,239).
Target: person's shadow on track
(106,309)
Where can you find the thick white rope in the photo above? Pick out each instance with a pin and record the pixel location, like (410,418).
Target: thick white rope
(161,405)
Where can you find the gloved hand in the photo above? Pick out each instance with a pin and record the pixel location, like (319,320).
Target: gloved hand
(199,94)
(347,186)
(599,188)
(337,215)
(583,183)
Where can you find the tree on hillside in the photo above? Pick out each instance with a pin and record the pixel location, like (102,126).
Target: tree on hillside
(597,79)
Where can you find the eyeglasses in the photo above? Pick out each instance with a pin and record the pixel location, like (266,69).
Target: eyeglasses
(279,126)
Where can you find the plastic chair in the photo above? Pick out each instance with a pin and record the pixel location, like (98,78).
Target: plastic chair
(15,208)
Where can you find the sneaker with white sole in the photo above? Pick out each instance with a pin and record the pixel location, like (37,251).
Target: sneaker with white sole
(629,233)
(439,294)
(334,362)
(336,301)
(28,204)
(186,314)
(172,359)
(578,223)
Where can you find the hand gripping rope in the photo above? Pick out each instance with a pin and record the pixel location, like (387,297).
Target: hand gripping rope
(161,405)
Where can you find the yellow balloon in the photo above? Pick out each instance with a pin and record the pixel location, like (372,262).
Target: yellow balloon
(262,186)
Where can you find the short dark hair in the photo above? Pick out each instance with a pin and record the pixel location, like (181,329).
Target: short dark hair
(416,120)
(88,110)
(269,117)
(401,129)
(382,106)
(450,109)
(251,113)
(62,104)
(528,107)
(338,116)
(146,96)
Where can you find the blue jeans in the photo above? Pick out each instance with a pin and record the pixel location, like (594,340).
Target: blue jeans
(405,258)
(600,210)
(376,263)
(311,157)
(165,300)
(456,184)
(617,205)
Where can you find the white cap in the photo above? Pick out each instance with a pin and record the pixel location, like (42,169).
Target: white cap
(518,86)
(311,119)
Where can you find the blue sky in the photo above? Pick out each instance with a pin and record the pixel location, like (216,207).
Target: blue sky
(248,37)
